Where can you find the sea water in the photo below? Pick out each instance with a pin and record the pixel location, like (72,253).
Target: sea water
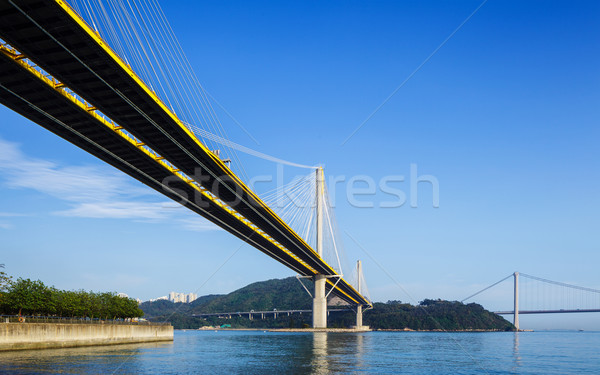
(261,352)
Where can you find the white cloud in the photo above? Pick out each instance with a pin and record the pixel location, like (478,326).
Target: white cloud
(117,210)
(198,224)
(71,183)
(91,191)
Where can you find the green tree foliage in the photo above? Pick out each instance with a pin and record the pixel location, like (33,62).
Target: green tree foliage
(283,294)
(5,281)
(434,315)
(34,298)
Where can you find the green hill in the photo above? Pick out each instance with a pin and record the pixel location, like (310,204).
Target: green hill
(288,294)
(428,315)
(282,294)
(164,307)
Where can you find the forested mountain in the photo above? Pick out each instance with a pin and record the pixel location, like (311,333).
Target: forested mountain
(288,294)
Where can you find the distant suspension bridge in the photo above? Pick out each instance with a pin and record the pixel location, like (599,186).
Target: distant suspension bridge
(536,295)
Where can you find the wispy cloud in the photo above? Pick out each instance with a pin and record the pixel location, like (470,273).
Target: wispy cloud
(90,191)
(71,183)
(117,210)
(198,224)
(8,225)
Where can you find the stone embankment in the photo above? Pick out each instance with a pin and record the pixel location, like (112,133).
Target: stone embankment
(18,336)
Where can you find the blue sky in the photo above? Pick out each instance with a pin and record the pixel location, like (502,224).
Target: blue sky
(505,117)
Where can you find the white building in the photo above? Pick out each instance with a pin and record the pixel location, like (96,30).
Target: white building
(182,297)
(191,297)
(159,298)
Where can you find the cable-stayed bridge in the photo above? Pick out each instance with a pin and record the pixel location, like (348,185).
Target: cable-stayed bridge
(536,295)
(58,70)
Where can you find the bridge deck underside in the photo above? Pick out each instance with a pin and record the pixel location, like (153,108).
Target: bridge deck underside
(62,46)
(21,91)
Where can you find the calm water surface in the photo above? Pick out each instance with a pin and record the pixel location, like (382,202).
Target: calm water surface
(258,352)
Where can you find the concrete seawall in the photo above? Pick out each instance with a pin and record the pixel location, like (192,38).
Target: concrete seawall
(17,336)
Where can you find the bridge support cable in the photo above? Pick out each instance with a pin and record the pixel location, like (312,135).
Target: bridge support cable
(141,34)
(295,202)
(540,294)
(486,288)
(222,141)
(536,295)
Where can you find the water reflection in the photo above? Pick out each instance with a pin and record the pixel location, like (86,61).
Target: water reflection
(320,363)
(516,354)
(338,352)
(91,359)
(262,352)
(360,348)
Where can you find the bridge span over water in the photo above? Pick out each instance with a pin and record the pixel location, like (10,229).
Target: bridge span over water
(543,296)
(60,73)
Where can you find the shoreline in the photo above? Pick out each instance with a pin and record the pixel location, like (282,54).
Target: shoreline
(20,336)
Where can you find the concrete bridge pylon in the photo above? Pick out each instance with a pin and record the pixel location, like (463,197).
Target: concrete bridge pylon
(319,298)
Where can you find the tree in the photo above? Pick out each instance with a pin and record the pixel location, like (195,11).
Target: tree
(5,280)
(29,297)
(34,298)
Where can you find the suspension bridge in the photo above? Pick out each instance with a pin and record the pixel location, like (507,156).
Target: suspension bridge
(536,295)
(111,78)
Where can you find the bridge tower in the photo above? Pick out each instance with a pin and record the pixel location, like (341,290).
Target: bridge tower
(319,300)
(516,310)
(359,312)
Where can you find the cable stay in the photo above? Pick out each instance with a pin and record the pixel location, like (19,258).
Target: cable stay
(296,203)
(225,142)
(141,34)
(484,289)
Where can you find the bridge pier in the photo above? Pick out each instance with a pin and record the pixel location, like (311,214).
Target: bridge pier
(319,303)
(359,308)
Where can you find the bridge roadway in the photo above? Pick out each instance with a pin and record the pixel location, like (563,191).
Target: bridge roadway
(264,312)
(561,311)
(53,36)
